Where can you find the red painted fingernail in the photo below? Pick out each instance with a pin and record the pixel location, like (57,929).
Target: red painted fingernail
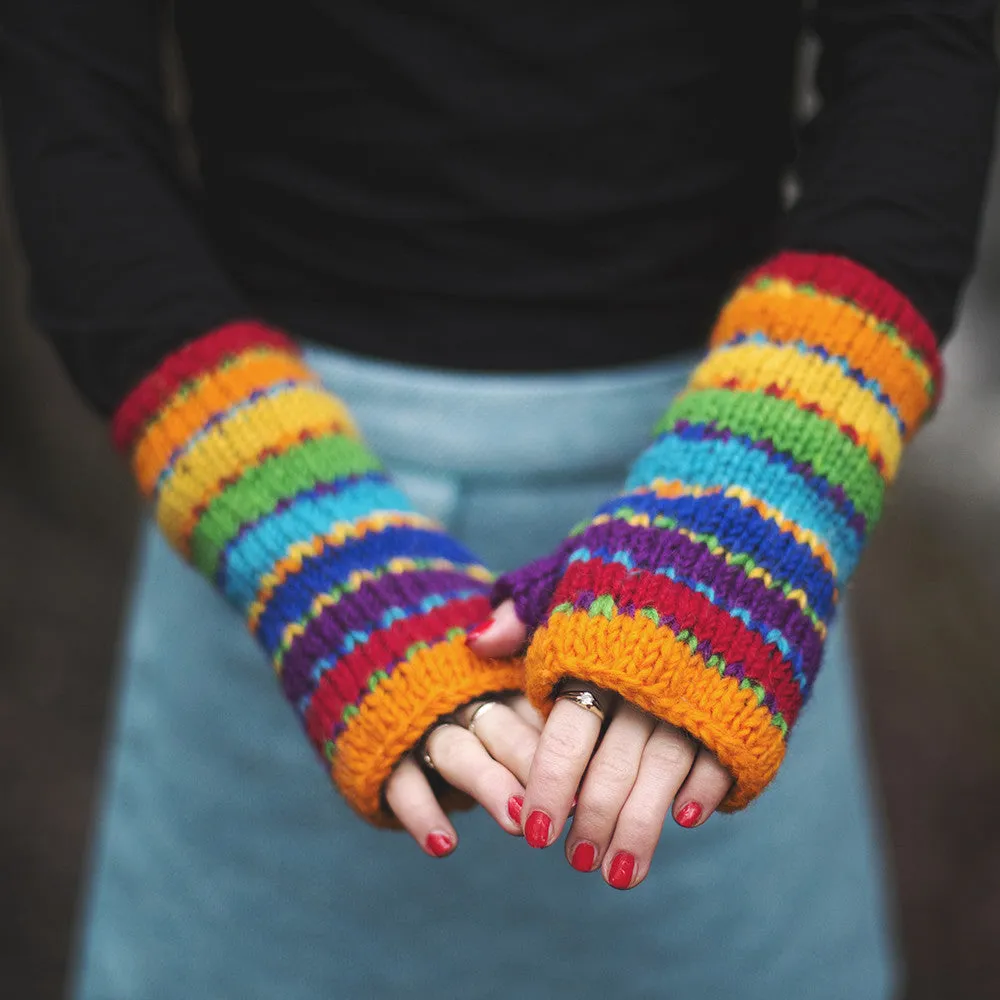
(583,857)
(622,867)
(514,804)
(440,844)
(689,814)
(536,830)
(478,631)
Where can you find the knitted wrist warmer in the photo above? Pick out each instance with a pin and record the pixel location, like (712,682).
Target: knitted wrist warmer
(703,593)
(258,477)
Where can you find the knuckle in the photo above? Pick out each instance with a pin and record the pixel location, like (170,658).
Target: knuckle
(483,785)
(562,745)
(445,746)
(598,810)
(668,756)
(613,769)
(644,828)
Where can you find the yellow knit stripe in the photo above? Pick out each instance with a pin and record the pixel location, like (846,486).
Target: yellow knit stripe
(808,380)
(291,562)
(785,314)
(179,509)
(216,391)
(237,440)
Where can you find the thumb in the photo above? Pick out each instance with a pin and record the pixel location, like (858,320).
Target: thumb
(502,634)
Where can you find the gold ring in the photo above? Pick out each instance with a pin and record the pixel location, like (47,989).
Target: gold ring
(481,709)
(422,750)
(586,700)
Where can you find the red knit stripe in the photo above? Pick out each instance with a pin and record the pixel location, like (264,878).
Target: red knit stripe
(727,636)
(345,683)
(195,357)
(846,279)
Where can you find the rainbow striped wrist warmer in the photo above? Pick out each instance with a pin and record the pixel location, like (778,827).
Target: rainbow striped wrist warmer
(703,593)
(259,478)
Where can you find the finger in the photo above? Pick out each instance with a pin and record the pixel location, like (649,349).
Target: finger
(412,800)
(703,791)
(508,739)
(502,634)
(606,785)
(666,762)
(564,750)
(528,712)
(463,761)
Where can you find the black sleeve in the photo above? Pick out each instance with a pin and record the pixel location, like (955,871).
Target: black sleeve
(893,168)
(120,272)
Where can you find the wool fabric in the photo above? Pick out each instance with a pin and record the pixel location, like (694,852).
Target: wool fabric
(259,477)
(704,592)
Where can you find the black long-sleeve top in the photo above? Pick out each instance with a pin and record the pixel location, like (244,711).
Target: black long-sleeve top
(519,186)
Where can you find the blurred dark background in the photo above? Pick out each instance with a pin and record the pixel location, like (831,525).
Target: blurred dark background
(926,610)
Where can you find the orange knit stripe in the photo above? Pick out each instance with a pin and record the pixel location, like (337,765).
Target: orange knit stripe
(645,664)
(218,390)
(390,721)
(842,329)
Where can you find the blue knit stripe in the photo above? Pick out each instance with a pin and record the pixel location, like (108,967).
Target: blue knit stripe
(321,574)
(256,551)
(741,530)
(713,463)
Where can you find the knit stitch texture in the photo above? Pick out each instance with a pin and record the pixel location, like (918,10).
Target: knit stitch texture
(259,478)
(703,593)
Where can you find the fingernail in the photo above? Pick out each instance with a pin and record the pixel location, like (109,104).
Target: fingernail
(622,867)
(583,857)
(689,815)
(440,844)
(536,830)
(478,631)
(514,804)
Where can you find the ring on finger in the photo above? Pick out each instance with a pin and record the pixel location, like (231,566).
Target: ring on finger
(583,697)
(481,709)
(423,752)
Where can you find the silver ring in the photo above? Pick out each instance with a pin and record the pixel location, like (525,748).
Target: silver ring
(481,709)
(586,700)
(424,753)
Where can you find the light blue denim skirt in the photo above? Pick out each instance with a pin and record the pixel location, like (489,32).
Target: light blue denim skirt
(226,868)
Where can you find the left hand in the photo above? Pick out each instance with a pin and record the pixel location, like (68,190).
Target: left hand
(624,784)
(485,750)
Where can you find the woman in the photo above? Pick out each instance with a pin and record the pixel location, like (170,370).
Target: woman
(501,236)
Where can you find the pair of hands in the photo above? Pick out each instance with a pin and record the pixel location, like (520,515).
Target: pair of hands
(532,776)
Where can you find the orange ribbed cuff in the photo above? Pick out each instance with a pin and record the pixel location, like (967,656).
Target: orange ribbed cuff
(434,682)
(650,667)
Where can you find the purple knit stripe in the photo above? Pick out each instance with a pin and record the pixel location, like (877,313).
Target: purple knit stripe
(732,589)
(357,612)
(657,548)
(531,586)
